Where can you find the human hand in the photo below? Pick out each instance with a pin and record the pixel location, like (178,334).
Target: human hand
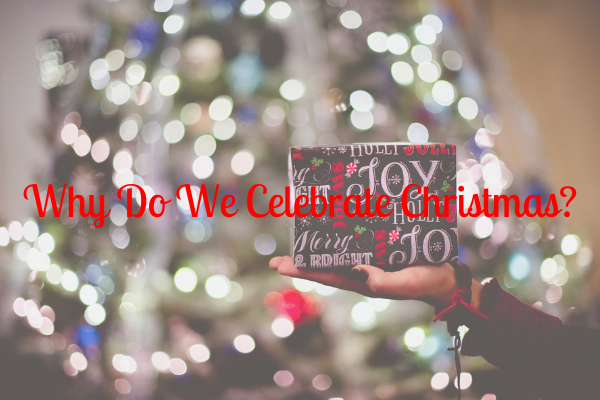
(432,284)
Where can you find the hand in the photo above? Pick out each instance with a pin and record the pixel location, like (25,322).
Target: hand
(433,284)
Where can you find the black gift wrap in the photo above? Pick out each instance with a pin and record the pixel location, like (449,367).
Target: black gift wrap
(336,240)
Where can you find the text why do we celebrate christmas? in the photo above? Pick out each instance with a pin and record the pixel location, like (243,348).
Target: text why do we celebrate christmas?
(302,202)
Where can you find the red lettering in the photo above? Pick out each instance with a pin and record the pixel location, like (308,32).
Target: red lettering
(225,206)
(130,200)
(49,194)
(405,209)
(249,201)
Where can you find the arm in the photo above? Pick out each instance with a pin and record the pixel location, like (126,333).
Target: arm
(558,361)
(552,359)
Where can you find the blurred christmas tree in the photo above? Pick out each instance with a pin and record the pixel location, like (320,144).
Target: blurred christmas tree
(215,92)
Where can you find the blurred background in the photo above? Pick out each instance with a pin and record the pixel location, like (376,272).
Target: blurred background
(98,94)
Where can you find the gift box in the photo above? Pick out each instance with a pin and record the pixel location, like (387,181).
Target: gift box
(390,240)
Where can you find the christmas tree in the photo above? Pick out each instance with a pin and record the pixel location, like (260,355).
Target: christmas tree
(175,92)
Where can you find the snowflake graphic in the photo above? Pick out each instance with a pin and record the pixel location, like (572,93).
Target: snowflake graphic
(328,150)
(342,150)
(437,246)
(304,222)
(385,218)
(394,180)
(324,219)
(371,220)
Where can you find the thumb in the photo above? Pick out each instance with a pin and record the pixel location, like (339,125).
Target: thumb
(374,277)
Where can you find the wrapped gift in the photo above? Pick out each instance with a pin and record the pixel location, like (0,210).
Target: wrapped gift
(334,236)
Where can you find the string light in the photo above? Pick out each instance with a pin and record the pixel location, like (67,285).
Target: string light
(100,150)
(173,131)
(203,167)
(443,93)
(252,8)
(217,286)
(402,73)
(168,85)
(570,244)
(190,113)
(283,378)
(114,60)
(363,314)
(417,133)
(362,120)
(421,54)
(362,101)
(282,327)
(173,24)
(198,353)
(242,162)
(163,6)
(425,34)
(160,360)
(244,344)
(291,89)
(220,108)
(467,108)
(434,22)
(440,381)
(280,10)
(414,338)
(378,42)
(350,20)
(185,279)
(398,43)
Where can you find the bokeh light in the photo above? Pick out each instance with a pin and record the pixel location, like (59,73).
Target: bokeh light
(177,366)
(322,382)
(465,380)
(282,327)
(402,73)
(244,344)
(398,43)
(519,266)
(378,42)
(220,108)
(173,131)
(217,286)
(280,10)
(203,167)
(265,244)
(185,279)
(350,20)
(198,353)
(440,381)
(94,314)
(252,8)
(570,244)
(242,162)
(173,24)
(417,133)
(467,108)
(291,89)
(414,337)
(168,85)
(363,314)
(283,378)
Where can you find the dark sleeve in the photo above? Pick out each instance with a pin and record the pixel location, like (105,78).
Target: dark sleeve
(556,360)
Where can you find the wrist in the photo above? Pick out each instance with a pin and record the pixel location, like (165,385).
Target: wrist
(476,289)
(442,298)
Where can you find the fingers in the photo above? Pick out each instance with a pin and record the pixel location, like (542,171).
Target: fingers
(364,279)
(275,262)
(334,279)
(396,285)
